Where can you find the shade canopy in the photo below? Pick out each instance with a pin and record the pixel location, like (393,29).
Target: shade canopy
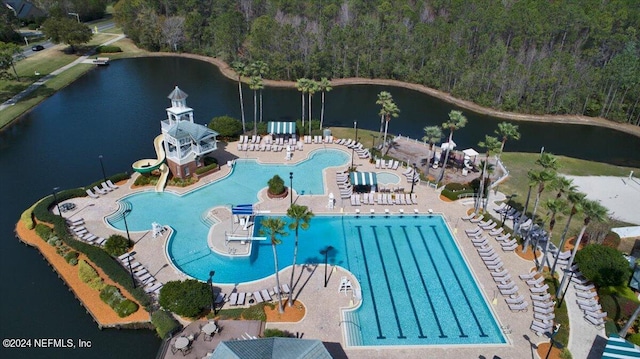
(620,349)
(448,145)
(470,152)
(281,128)
(244,209)
(363,178)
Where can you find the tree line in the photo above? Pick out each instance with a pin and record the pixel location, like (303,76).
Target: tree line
(577,57)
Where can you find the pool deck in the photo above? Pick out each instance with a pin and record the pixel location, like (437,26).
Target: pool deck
(323,318)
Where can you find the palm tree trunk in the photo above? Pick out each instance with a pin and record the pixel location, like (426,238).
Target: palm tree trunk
(481,189)
(275,263)
(533,221)
(561,245)
(244,126)
(255,112)
(386,127)
(303,110)
(446,157)
(381,125)
(293,269)
(573,255)
(260,105)
(309,113)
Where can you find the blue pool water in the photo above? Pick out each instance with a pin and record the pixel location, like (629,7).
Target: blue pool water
(416,286)
(387,178)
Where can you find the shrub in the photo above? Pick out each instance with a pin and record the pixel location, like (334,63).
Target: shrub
(165,323)
(454,186)
(255,312)
(634,338)
(89,275)
(273,332)
(70,256)
(53,241)
(121,305)
(27,217)
(228,127)
(116,245)
(108,49)
(188,298)
(454,195)
(565,354)
(276,185)
(43,231)
(207,168)
(602,265)
(146,179)
(182,182)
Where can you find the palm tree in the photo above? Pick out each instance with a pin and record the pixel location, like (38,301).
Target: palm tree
(260,68)
(456,121)
(302,85)
(432,134)
(300,216)
(592,211)
(240,69)
(542,178)
(548,161)
(383,98)
(312,88)
(491,144)
(506,131)
(255,83)
(390,109)
(575,199)
(323,86)
(274,227)
(532,178)
(563,185)
(554,206)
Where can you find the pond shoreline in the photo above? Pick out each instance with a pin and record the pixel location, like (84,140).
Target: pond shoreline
(228,72)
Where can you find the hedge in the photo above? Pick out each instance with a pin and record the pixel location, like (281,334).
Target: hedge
(454,195)
(43,231)
(188,298)
(116,245)
(603,265)
(121,305)
(165,323)
(108,49)
(89,275)
(96,254)
(207,168)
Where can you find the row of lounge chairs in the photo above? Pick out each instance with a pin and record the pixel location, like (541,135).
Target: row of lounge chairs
(543,305)
(259,296)
(587,299)
(412,175)
(268,147)
(354,145)
(253,139)
(506,242)
(78,228)
(342,179)
(107,187)
(318,139)
(391,164)
(402,199)
(141,273)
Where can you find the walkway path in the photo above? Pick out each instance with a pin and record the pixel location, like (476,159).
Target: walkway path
(12,101)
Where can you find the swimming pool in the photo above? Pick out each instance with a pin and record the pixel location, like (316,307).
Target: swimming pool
(187,214)
(387,178)
(417,288)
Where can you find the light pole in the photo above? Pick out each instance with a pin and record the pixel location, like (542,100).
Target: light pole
(290,188)
(355,127)
(55,199)
(213,300)
(126,227)
(133,280)
(75,14)
(555,331)
(560,290)
(104,176)
(413,180)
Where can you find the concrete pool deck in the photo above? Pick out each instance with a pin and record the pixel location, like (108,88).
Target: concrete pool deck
(323,317)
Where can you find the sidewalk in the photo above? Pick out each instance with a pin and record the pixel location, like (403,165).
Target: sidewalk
(12,101)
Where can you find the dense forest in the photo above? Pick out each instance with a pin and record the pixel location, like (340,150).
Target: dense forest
(531,56)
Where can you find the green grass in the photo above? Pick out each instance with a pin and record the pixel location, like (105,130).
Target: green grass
(364,136)
(519,164)
(562,316)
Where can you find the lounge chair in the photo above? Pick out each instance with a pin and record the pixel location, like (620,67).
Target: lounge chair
(98,190)
(153,287)
(395,165)
(495,266)
(586,295)
(479,239)
(544,304)
(100,241)
(584,287)
(541,327)
(504,279)
(599,322)
(541,298)
(490,226)
(110,184)
(528,276)
(105,187)
(496,231)
(501,207)
(587,302)
(124,256)
(597,315)
(590,308)
(542,289)
(510,248)
(265,295)
(488,254)
(511,291)
(476,219)
(502,273)
(520,307)
(233,298)
(286,289)
(543,317)
(547,310)
(473,231)
(517,300)
(486,250)
(490,258)
(503,238)
(507,285)
(257,297)
(494,262)
(241,298)
(144,277)
(91,194)
(535,282)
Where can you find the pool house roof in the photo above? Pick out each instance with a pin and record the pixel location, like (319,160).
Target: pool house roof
(184,129)
(363,178)
(281,128)
(280,348)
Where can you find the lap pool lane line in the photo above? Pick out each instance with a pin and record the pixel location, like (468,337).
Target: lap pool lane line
(475,317)
(406,285)
(373,298)
(424,285)
(386,279)
(442,285)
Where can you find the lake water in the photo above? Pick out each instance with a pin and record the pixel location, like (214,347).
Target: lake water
(115,111)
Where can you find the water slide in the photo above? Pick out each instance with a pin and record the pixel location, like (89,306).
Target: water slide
(145,166)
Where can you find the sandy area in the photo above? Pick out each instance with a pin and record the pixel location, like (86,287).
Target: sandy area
(620,195)
(89,297)
(291,314)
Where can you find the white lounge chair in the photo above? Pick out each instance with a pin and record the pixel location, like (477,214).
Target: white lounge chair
(110,184)
(98,190)
(258,297)
(528,276)
(105,187)
(265,295)
(91,194)
(519,307)
(517,300)
(542,289)
(510,291)
(233,298)
(586,295)
(584,287)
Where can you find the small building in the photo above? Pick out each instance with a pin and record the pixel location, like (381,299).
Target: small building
(186,143)
(267,348)
(24,10)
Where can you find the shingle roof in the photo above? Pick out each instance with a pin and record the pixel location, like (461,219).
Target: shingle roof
(184,129)
(280,348)
(177,94)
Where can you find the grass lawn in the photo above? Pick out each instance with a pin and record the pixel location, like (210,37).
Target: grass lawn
(519,164)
